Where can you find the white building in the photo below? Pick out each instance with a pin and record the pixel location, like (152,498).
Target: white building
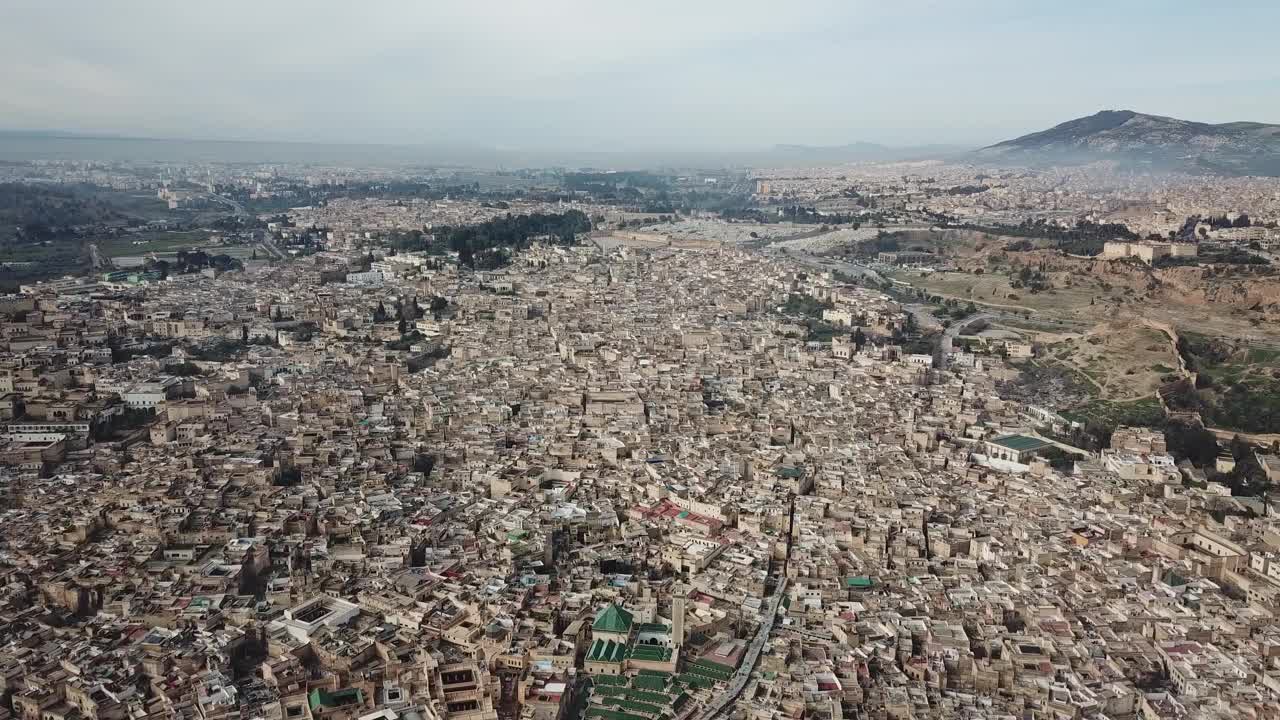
(317,612)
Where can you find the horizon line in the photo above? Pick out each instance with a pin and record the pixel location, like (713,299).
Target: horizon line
(62,134)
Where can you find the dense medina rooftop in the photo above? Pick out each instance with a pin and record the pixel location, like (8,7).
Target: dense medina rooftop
(619,479)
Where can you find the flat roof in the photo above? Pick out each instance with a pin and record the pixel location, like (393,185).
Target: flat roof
(1020,442)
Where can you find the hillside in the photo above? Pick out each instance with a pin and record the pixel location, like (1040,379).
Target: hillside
(1149,141)
(37,212)
(43,227)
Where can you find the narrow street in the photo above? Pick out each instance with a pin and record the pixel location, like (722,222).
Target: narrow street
(743,674)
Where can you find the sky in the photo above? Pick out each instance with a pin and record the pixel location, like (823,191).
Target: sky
(627,75)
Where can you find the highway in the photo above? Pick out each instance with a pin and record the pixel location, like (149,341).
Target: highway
(267,244)
(237,207)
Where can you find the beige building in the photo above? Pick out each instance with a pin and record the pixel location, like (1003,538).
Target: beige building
(1147,252)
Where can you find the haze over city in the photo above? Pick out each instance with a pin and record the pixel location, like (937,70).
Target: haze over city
(589,75)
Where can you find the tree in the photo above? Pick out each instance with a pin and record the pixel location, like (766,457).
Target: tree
(438,306)
(244,334)
(402,326)
(1193,442)
(859,338)
(380,313)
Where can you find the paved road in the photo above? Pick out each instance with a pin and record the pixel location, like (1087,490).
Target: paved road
(845,267)
(945,347)
(97,260)
(925,319)
(740,677)
(270,247)
(237,207)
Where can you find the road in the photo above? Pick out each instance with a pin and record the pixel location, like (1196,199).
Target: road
(740,677)
(925,319)
(270,246)
(945,348)
(267,243)
(830,265)
(991,311)
(237,207)
(97,260)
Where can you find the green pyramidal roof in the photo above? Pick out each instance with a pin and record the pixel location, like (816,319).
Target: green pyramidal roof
(613,619)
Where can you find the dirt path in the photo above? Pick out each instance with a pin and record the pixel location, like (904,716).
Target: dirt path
(1079,371)
(1172,333)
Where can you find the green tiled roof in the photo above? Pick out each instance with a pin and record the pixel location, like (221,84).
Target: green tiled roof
(705,674)
(1020,443)
(648,695)
(607,651)
(645,681)
(697,681)
(652,698)
(608,714)
(613,619)
(712,665)
(635,707)
(649,652)
(858,581)
(708,669)
(322,698)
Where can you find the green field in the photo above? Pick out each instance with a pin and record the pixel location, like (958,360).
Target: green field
(66,253)
(1145,412)
(1238,387)
(157,242)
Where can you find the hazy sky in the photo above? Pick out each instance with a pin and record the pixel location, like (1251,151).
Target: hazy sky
(630,74)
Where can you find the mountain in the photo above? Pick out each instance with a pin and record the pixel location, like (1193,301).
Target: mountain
(1148,141)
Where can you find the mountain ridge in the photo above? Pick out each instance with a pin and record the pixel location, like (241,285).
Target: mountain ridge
(1155,142)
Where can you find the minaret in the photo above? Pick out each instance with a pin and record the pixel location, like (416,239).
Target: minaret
(677,617)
